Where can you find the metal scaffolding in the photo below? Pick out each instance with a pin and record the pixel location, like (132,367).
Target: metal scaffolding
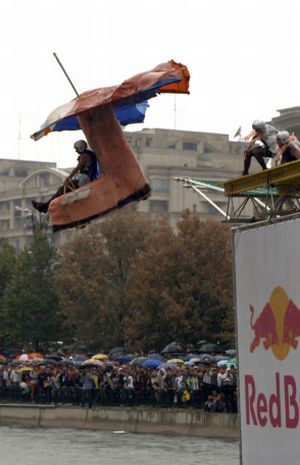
(262,200)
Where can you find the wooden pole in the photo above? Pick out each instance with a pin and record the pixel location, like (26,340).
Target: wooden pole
(65,73)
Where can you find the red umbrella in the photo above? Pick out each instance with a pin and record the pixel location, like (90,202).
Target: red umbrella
(28,357)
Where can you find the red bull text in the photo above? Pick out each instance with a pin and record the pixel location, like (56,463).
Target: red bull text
(279,409)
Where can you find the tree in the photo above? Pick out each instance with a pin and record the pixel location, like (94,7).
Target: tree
(30,304)
(93,277)
(7,263)
(181,287)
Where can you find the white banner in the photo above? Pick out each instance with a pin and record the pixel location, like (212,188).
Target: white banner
(267,270)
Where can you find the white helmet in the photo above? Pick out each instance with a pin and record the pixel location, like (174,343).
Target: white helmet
(80,145)
(259,125)
(283,136)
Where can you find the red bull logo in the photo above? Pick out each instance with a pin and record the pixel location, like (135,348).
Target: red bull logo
(277,326)
(279,409)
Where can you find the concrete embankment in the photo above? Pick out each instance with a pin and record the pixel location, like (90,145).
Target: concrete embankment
(132,419)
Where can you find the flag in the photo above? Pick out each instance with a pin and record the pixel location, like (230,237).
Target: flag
(238,133)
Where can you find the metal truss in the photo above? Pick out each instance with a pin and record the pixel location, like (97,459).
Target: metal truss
(251,206)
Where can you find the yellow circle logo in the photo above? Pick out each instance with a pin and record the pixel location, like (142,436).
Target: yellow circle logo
(278,324)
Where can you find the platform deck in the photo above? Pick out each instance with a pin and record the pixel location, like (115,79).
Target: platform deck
(285,177)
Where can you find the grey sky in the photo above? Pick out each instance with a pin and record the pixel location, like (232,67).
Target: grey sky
(243,57)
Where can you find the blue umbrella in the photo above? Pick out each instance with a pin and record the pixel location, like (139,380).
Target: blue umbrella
(221,357)
(77,359)
(206,358)
(222,363)
(138,360)
(123,359)
(191,355)
(151,363)
(156,357)
(165,366)
(189,363)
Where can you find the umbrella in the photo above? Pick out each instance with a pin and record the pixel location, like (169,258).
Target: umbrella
(116,350)
(195,360)
(172,348)
(56,357)
(78,358)
(175,360)
(166,366)
(93,362)
(230,352)
(23,369)
(190,356)
(209,348)
(232,361)
(222,363)
(189,363)
(137,360)
(151,363)
(217,358)
(111,363)
(36,361)
(28,357)
(100,357)
(123,358)
(206,358)
(82,366)
(51,361)
(63,361)
(155,357)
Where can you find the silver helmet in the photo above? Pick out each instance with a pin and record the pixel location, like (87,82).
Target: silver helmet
(259,125)
(80,146)
(283,136)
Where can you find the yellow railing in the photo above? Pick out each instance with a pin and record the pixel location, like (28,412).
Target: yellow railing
(285,177)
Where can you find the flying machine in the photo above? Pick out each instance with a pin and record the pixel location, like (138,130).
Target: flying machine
(100,113)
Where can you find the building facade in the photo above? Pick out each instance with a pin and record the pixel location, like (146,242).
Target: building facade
(167,154)
(289,120)
(21,182)
(163,154)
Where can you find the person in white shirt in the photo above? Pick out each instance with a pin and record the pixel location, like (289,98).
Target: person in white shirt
(221,375)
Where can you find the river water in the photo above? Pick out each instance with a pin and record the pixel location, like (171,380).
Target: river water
(36,446)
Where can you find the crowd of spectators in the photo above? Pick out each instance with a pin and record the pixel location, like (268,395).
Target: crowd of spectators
(204,385)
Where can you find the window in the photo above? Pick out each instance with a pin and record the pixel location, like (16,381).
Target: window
(17,208)
(172,146)
(4,207)
(159,184)
(20,222)
(158,206)
(20,172)
(212,210)
(44,180)
(148,141)
(189,146)
(4,225)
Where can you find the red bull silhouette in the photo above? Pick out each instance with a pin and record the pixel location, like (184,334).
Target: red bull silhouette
(264,328)
(291,328)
